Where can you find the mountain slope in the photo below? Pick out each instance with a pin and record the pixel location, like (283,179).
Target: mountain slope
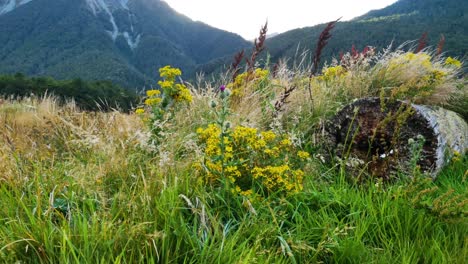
(120,40)
(404,20)
(10,5)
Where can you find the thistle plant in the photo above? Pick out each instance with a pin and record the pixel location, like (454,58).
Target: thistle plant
(223,124)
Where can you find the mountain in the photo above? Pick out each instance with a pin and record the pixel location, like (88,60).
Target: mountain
(402,21)
(9,5)
(125,41)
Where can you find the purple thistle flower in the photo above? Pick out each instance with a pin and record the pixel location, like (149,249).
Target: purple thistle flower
(222,88)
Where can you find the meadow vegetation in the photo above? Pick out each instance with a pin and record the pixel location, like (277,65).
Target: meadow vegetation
(230,171)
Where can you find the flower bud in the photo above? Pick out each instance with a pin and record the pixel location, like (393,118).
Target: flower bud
(223,95)
(213,104)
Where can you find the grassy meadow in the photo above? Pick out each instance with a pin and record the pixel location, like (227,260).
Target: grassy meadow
(229,171)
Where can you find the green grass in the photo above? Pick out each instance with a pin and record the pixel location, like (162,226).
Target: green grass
(50,218)
(80,187)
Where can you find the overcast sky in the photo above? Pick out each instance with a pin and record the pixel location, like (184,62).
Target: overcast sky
(245,17)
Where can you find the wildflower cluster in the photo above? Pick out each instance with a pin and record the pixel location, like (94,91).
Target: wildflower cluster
(349,71)
(413,75)
(331,73)
(158,104)
(153,97)
(453,62)
(174,92)
(244,81)
(253,162)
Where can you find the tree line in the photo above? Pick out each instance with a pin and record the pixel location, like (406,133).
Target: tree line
(88,95)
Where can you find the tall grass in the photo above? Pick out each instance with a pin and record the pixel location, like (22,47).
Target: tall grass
(85,187)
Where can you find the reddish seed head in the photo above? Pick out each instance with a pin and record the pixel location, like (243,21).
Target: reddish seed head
(366,50)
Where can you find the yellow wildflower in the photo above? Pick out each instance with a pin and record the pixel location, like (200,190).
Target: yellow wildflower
(303,155)
(152,101)
(165,84)
(268,136)
(247,193)
(273,152)
(437,76)
(228,149)
(245,134)
(140,111)
(251,159)
(259,144)
(169,73)
(453,62)
(232,171)
(410,56)
(331,73)
(183,94)
(286,142)
(151,93)
(243,80)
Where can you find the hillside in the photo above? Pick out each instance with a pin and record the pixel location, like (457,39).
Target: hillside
(402,21)
(125,41)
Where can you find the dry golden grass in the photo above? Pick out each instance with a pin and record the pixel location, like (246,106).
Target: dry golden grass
(39,130)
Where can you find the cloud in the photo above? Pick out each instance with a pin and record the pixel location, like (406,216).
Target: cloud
(246,16)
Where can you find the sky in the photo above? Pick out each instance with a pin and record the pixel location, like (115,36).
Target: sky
(245,17)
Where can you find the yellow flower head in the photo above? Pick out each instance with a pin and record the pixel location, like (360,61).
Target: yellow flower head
(453,62)
(243,80)
(152,101)
(331,73)
(303,155)
(151,93)
(286,142)
(139,111)
(165,84)
(183,94)
(169,73)
(268,136)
